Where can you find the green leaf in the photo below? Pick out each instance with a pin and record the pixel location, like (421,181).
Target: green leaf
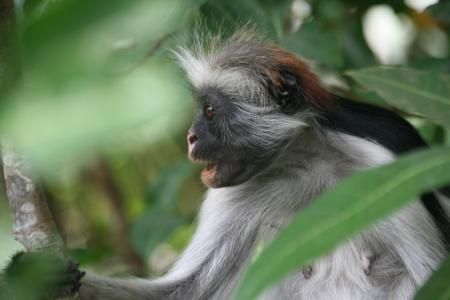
(152,228)
(229,15)
(441,65)
(355,50)
(437,287)
(330,10)
(69,41)
(351,206)
(357,92)
(279,13)
(166,184)
(419,92)
(433,134)
(313,42)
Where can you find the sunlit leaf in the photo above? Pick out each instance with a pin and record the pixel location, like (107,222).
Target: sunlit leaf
(341,212)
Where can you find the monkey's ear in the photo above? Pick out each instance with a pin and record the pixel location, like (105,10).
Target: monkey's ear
(289,95)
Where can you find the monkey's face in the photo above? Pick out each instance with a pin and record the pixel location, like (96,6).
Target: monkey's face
(234,139)
(252,98)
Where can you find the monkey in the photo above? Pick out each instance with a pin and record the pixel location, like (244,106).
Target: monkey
(270,139)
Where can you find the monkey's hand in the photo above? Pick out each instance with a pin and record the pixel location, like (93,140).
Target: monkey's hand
(39,276)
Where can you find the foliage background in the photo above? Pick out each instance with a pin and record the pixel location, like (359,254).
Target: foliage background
(103,109)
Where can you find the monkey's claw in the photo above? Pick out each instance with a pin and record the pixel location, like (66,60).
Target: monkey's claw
(70,279)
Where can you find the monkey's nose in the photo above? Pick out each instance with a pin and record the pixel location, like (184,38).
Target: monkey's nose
(191,138)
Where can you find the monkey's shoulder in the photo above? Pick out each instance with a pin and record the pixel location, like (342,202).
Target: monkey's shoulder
(373,123)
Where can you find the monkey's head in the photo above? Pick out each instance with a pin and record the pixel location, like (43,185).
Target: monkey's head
(251,98)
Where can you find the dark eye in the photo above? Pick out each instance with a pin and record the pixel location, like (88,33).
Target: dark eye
(208,111)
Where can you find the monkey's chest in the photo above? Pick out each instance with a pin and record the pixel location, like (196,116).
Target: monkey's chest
(351,271)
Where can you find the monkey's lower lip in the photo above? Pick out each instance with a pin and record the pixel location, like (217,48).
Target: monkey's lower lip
(209,173)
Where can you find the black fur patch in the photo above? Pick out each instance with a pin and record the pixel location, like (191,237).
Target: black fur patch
(289,97)
(391,131)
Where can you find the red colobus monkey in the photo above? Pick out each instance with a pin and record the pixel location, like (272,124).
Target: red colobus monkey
(271,139)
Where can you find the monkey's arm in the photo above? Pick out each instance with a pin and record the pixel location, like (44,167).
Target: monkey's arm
(214,258)
(97,287)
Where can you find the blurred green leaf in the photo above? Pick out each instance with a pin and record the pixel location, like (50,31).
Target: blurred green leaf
(351,206)
(160,220)
(441,65)
(433,134)
(311,41)
(89,256)
(279,13)
(34,8)
(67,18)
(419,92)
(447,137)
(53,125)
(165,186)
(30,276)
(365,4)
(102,43)
(152,228)
(329,10)
(181,236)
(437,287)
(355,50)
(229,15)
(360,94)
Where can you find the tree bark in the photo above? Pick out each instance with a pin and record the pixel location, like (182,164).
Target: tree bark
(33,225)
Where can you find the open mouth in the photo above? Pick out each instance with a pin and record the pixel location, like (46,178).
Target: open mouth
(209,173)
(216,174)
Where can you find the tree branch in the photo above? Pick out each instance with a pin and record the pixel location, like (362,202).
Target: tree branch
(33,225)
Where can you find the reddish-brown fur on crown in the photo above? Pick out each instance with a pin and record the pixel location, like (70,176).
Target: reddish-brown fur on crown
(315,93)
